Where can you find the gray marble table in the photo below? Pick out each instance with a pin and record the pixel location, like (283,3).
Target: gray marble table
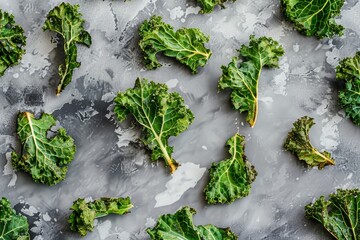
(109,161)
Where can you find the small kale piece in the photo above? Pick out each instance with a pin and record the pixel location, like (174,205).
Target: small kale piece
(207,6)
(231,179)
(160,113)
(348,71)
(13,226)
(67,21)
(12,41)
(244,80)
(82,218)
(45,159)
(298,143)
(314,18)
(339,215)
(180,226)
(186,44)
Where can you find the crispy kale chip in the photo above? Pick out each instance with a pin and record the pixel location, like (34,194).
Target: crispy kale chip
(67,21)
(12,41)
(244,80)
(339,215)
(348,71)
(180,226)
(160,113)
(230,179)
(13,226)
(298,143)
(314,18)
(209,5)
(186,44)
(45,159)
(82,218)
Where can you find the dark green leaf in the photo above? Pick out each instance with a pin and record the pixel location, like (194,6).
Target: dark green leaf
(180,226)
(244,80)
(13,226)
(231,179)
(66,20)
(186,44)
(210,232)
(314,17)
(12,41)
(348,71)
(84,213)
(209,5)
(46,159)
(298,143)
(160,113)
(339,215)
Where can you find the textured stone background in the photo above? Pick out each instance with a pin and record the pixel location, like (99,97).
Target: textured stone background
(109,161)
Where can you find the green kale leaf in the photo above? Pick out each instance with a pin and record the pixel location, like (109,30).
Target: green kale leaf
(244,80)
(180,226)
(314,18)
(160,113)
(186,44)
(82,218)
(12,41)
(231,179)
(66,21)
(210,232)
(45,159)
(209,5)
(13,226)
(298,143)
(348,71)
(339,215)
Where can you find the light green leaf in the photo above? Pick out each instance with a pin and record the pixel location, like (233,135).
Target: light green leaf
(243,80)
(185,44)
(160,113)
(314,17)
(12,41)
(67,21)
(207,6)
(298,143)
(348,71)
(231,179)
(339,215)
(180,226)
(13,226)
(84,213)
(45,159)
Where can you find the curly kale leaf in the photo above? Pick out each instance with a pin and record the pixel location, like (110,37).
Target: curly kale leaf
(82,218)
(180,226)
(244,80)
(13,226)
(160,113)
(209,5)
(231,179)
(348,71)
(45,159)
(210,232)
(298,143)
(339,215)
(314,17)
(66,21)
(12,41)
(186,44)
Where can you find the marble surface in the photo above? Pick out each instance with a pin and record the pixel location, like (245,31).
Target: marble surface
(110,162)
